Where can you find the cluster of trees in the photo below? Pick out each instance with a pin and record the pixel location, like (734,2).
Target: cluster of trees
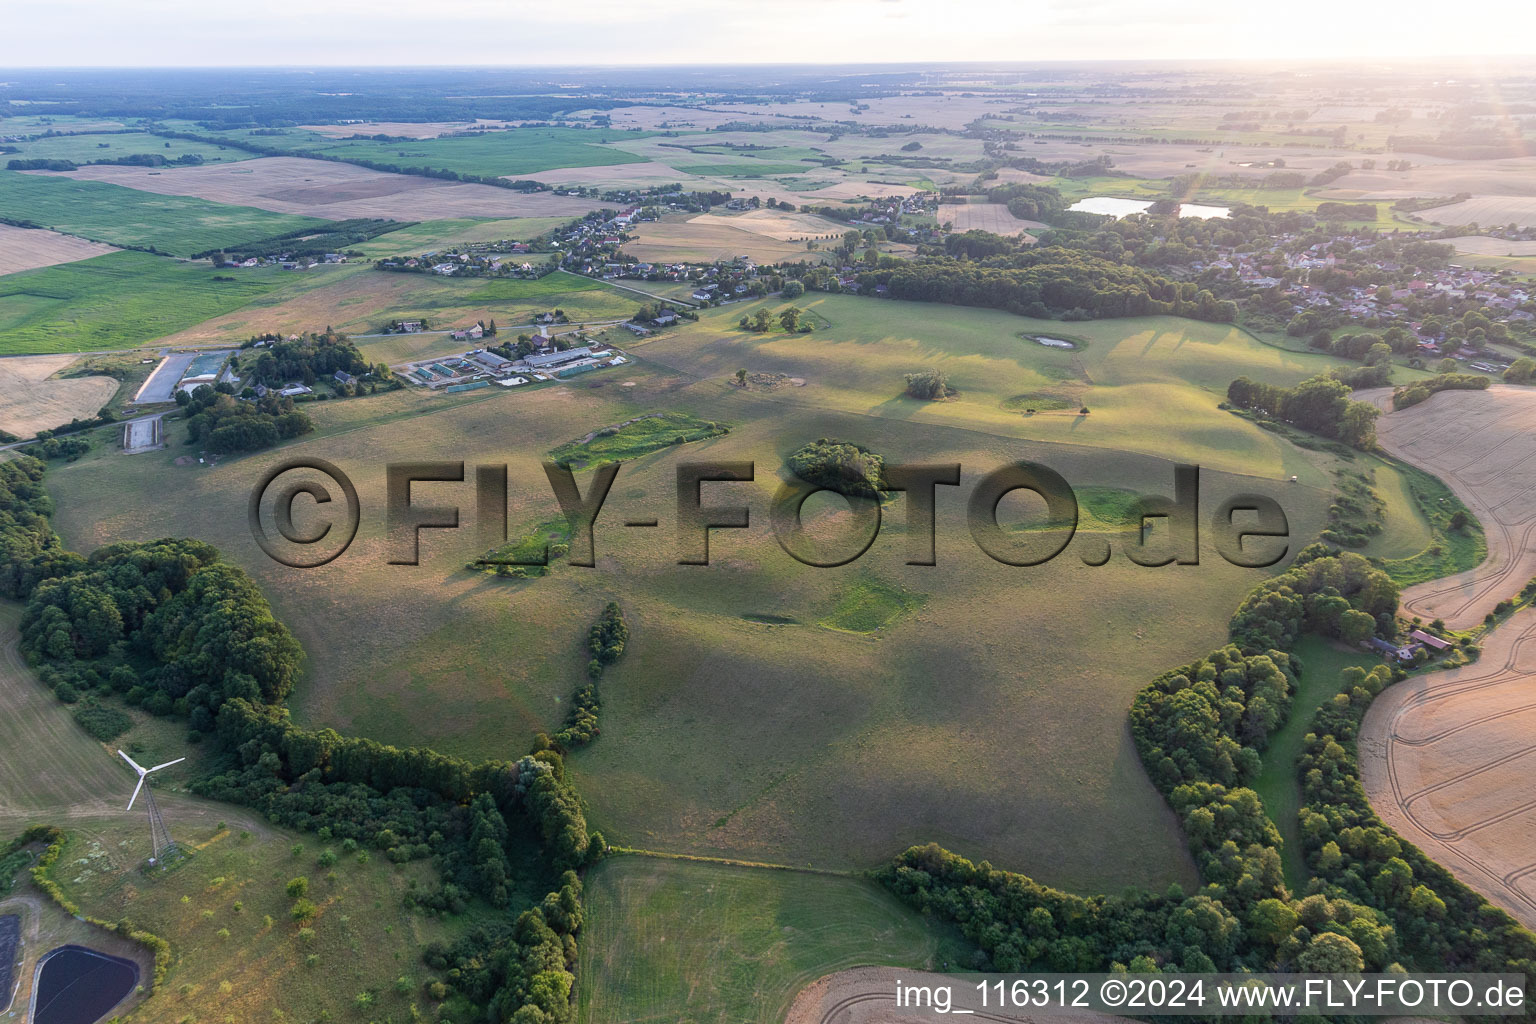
(1321,405)
(1347,211)
(791,318)
(841,466)
(29,549)
(135,160)
(1336,594)
(1199,730)
(308,358)
(1521,371)
(1367,347)
(164,624)
(1420,390)
(224,424)
(927,385)
(522,973)
(67,448)
(605,643)
(1044,281)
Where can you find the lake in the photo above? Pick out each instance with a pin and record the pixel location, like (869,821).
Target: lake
(76,985)
(1126,207)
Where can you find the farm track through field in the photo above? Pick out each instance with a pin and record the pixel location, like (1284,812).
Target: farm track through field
(1445,758)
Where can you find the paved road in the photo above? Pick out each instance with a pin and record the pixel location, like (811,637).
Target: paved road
(161,385)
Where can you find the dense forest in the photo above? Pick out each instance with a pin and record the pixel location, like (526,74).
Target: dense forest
(1041,282)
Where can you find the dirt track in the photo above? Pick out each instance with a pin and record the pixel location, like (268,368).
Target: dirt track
(1483,445)
(1447,759)
(864,995)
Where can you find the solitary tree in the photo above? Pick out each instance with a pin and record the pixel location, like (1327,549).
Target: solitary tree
(741,378)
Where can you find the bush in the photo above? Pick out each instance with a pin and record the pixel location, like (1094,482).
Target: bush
(102,723)
(927,385)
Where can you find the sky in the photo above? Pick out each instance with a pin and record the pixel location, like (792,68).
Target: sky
(212,33)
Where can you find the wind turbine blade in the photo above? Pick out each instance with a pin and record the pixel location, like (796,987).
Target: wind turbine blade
(131,761)
(136,790)
(166,765)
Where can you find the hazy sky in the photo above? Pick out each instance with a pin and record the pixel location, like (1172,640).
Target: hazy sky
(511,32)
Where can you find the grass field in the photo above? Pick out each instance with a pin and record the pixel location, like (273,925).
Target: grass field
(995,699)
(86,148)
(178,225)
(118,300)
(631,439)
(702,239)
(510,153)
(439,233)
(700,943)
(1152,384)
(1448,551)
(1278,785)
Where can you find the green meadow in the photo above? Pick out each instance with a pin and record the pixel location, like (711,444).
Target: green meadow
(511,153)
(698,942)
(443,233)
(179,225)
(84,149)
(1278,785)
(119,300)
(1151,384)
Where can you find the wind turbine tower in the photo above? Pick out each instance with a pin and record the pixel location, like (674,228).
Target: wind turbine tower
(159,837)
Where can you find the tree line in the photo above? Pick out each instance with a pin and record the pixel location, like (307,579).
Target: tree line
(1320,404)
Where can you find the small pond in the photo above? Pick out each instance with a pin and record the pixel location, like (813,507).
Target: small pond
(76,985)
(1125,207)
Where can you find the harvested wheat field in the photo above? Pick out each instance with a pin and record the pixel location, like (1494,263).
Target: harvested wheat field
(1484,245)
(993,217)
(776,224)
(1519,210)
(335,191)
(1483,445)
(30,402)
(861,190)
(619,175)
(667,241)
(1448,761)
(30,248)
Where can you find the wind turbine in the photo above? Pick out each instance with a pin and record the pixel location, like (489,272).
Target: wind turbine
(159,836)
